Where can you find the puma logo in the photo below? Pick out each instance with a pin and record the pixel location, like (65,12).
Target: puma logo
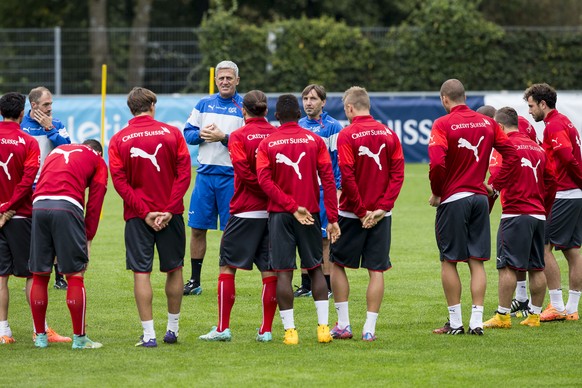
(66,154)
(493,160)
(280,158)
(138,152)
(5,166)
(463,143)
(558,145)
(363,150)
(527,163)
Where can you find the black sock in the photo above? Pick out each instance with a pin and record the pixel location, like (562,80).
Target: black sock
(305,281)
(196,270)
(58,276)
(328,281)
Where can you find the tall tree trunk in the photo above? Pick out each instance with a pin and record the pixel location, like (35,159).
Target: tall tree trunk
(138,42)
(98,40)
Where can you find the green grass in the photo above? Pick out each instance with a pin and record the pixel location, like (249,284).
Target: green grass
(405,354)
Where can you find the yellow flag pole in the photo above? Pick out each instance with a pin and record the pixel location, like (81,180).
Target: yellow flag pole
(103,94)
(211,81)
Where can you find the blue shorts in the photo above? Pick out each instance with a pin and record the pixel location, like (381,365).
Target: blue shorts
(322,214)
(210,200)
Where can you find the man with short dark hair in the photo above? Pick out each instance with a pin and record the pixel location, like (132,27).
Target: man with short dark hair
(150,169)
(459,148)
(520,239)
(288,165)
(19,163)
(60,226)
(564,228)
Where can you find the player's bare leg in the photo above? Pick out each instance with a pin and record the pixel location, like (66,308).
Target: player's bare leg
(537,287)
(451,282)
(174,282)
(339,283)
(507,282)
(143,293)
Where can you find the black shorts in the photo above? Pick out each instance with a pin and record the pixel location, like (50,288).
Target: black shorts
(140,240)
(15,248)
(58,229)
(372,245)
(462,229)
(286,235)
(520,243)
(245,241)
(564,227)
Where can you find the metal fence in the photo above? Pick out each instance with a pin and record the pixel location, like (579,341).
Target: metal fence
(60,59)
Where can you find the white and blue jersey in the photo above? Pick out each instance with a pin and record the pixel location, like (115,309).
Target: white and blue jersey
(47,140)
(328,129)
(226,114)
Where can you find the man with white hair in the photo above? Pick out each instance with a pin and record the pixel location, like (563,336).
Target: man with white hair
(211,122)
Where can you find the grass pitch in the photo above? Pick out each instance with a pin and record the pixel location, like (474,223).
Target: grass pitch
(405,354)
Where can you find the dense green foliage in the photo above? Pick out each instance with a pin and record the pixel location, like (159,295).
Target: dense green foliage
(441,39)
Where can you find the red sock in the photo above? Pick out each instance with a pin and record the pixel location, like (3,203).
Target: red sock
(39,301)
(76,301)
(226,296)
(269,298)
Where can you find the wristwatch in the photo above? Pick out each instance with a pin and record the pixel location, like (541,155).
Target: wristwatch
(225,140)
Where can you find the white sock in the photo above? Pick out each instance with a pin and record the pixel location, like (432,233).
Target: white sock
(521,291)
(148,330)
(476,317)
(173,322)
(5,329)
(573,300)
(287,319)
(535,309)
(503,310)
(455,316)
(556,299)
(322,308)
(370,325)
(343,314)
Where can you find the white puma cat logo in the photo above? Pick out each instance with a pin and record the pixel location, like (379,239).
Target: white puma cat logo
(65,153)
(280,158)
(527,163)
(363,150)
(5,167)
(465,144)
(135,152)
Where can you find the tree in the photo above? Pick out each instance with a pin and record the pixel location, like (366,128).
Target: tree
(98,40)
(138,42)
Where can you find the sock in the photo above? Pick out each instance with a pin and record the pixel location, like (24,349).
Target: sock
(77,303)
(226,296)
(148,330)
(305,281)
(573,300)
(173,322)
(322,308)
(476,317)
(556,299)
(503,310)
(535,309)
(343,314)
(455,316)
(269,301)
(287,319)
(39,302)
(521,291)
(370,325)
(328,281)
(5,329)
(196,270)
(58,276)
